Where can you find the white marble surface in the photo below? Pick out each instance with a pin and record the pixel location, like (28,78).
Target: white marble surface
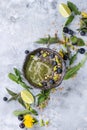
(21,24)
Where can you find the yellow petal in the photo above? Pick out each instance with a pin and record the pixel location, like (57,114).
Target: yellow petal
(28,117)
(28,121)
(84,14)
(28,124)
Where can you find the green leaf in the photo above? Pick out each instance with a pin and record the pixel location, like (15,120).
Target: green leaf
(43,96)
(47,122)
(70,73)
(84,20)
(73,8)
(69,20)
(11,92)
(18,112)
(33,111)
(80,42)
(13,98)
(73,58)
(17,78)
(53,40)
(83,29)
(23,84)
(46,92)
(41,99)
(73,39)
(46,40)
(42,40)
(35,121)
(42,123)
(21,101)
(82,23)
(13,77)
(18,73)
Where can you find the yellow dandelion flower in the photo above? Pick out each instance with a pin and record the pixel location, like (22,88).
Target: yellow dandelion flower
(28,121)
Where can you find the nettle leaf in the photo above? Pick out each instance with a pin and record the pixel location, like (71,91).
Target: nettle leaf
(43,96)
(50,40)
(11,92)
(73,8)
(42,40)
(83,29)
(13,77)
(33,111)
(74,39)
(84,20)
(18,73)
(19,112)
(72,71)
(41,99)
(21,101)
(73,58)
(69,20)
(18,79)
(80,42)
(13,98)
(24,85)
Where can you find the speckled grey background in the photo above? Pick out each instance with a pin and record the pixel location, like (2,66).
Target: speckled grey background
(21,24)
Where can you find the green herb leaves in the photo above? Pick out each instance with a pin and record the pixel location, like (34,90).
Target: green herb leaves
(83,25)
(73,8)
(33,111)
(50,40)
(11,92)
(26,111)
(13,77)
(77,41)
(72,71)
(73,58)
(69,20)
(19,112)
(18,78)
(80,42)
(14,96)
(42,97)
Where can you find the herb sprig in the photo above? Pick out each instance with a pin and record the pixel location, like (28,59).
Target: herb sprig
(69,20)
(18,78)
(42,98)
(73,8)
(72,71)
